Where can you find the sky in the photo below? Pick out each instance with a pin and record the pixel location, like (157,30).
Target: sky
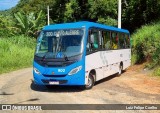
(7,4)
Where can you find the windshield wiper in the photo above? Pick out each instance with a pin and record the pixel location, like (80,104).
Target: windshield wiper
(65,57)
(44,56)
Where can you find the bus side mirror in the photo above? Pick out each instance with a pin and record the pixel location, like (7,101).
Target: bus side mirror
(92,38)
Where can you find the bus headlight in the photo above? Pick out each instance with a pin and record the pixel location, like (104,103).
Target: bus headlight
(75,70)
(36,71)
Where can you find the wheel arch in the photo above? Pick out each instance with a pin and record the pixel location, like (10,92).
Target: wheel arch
(93,73)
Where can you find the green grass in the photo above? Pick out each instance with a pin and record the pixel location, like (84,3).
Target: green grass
(146,46)
(156,71)
(16,52)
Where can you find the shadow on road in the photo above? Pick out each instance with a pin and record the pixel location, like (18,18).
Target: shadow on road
(55,89)
(4,93)
(106,79)
(29,100)
(58,89)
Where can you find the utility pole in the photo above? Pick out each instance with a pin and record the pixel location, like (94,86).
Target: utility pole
(48,14)
(119,13)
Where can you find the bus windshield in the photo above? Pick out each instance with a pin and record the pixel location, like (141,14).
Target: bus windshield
(60,43)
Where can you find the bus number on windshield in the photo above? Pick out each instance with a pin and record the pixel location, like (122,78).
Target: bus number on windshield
(49,33)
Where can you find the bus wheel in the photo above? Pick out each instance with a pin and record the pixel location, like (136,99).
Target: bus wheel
(120,69)
(90,82)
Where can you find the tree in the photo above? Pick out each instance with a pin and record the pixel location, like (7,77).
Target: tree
(6,28)
(104,11)
(71,12)
(29,24)
(140,12)
(136,14)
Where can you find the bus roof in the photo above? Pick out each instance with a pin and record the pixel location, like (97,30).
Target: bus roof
(83,24)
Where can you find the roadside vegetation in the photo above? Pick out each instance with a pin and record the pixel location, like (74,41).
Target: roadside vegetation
(146,46)
(16,52)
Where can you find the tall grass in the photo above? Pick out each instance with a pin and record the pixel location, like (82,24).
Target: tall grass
(146,46)
(16,52)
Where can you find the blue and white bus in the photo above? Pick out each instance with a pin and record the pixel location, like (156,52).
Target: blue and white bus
(80,53)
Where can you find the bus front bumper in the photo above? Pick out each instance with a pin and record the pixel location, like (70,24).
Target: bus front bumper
(76,79)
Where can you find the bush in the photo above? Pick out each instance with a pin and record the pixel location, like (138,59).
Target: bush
(146,44)
(16,52)
(157,71)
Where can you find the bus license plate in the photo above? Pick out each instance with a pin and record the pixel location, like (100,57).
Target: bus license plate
(54,82)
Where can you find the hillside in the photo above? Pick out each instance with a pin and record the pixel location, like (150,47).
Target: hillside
(146,46)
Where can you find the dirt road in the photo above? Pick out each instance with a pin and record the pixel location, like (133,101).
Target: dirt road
(133,87)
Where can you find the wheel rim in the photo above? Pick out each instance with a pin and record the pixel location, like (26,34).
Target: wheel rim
(89,82)
(120,69)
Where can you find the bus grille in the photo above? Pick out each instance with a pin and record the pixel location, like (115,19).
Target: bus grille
(53,75)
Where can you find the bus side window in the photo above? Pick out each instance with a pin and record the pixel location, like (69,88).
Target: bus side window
(93,40)
(106,40)
(88,48)
(126,41)
(114,38)
(100,40)
(121,41)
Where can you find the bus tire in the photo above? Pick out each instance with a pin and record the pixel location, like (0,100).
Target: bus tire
(120,69)
(91,82)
